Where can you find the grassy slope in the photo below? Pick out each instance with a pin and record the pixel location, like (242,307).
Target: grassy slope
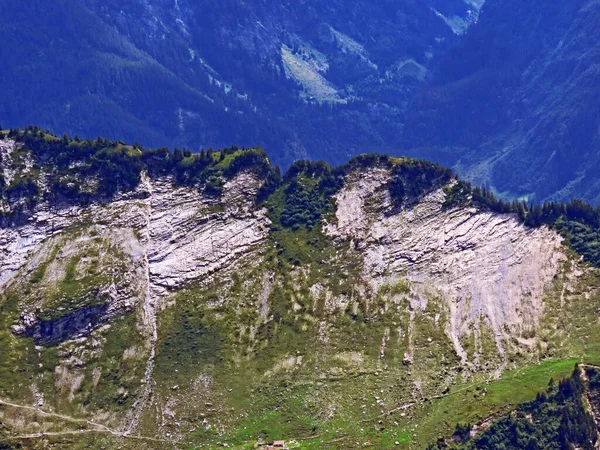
(328,401)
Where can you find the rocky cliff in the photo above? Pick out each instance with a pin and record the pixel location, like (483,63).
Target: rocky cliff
(168,315)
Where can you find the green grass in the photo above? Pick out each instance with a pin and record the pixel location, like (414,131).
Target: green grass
(474,402)
(119,379)
(80,285)
(40,271)
(327,400)
(293,405)
(435,418)
(20,363)
(225,163)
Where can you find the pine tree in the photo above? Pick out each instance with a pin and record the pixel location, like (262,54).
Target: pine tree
(177,154)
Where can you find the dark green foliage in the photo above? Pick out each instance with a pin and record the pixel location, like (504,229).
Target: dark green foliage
(272,182)
(582,237)
(576,221)
(308,187)
(256,158)
(303,205)
(413,178)
(306,194)
(82,171)
(555,420)
(593,378)
(11,446)
(367,160)
(397,191)
(457,195)
(198,168)
(115,166)
(214,186)
(118,167)
(462,431)
(206,169)
(485,199)
(23,187)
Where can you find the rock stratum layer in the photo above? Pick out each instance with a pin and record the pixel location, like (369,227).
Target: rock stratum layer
(166,316)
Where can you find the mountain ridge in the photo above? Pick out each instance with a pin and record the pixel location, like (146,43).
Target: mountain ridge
(504,93)
(322,309)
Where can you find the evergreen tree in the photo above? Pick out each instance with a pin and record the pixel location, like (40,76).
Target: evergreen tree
(177,155)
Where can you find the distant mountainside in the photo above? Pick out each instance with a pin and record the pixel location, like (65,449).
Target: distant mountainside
(158,299)
(504,92)
(516,103)
(318,79)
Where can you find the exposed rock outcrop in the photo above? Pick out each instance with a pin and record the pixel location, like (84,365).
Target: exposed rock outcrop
(176,235)
(193,235)
(484,265)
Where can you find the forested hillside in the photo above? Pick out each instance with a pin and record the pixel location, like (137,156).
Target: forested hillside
(516,103)
(305,79)
(507,96)
(564,417)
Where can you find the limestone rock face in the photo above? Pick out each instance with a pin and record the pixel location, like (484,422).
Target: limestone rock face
(191,235)
(484,265)
(161,237)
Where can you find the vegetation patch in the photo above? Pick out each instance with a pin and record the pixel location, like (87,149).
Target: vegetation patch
(556,419)
(82,171)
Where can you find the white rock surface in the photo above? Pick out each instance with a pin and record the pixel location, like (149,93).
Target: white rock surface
(172,236)
(184,234)
(188,241)
(7,147)
(485,265)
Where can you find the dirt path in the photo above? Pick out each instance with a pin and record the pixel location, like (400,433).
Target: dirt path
(97,427)
(41,412)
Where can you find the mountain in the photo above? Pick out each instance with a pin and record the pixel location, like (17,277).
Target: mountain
(516,103)
(504,92)
(323,79)
(156,299)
